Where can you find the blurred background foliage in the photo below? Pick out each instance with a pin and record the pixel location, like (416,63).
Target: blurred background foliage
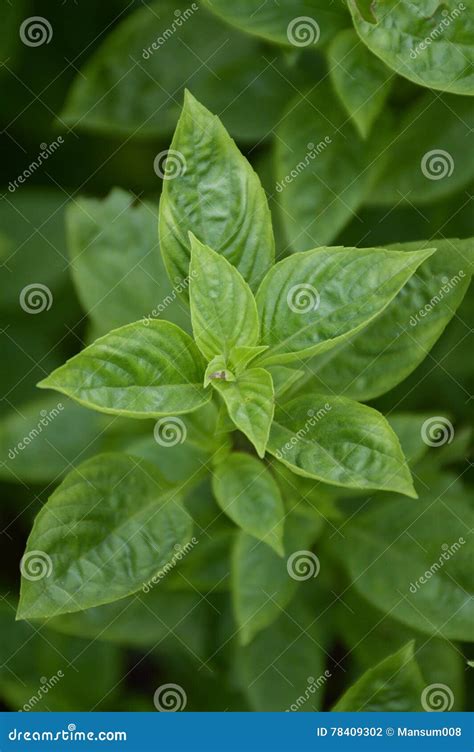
(115,109)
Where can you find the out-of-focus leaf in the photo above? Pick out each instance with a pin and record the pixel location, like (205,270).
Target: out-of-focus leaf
(262,584)
(42,670)
(283,667)
(132,85)
(117,265)
(300,23)
(427,580)
(425,163)
(393,685)
(361,81)
(324,170)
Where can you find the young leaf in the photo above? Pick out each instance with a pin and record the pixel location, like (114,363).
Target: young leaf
(428,575)
(116,262)
(361,81)
(223,309)
(291,648)
(311,301)
(109,527)
(241,356)
(261,583)
(141,370)
(217,196)
(392,346)
(422,42)
(324,169)
(246,491)
(284,378)
(341,442)
(424,163)
(394,685)
(278,21)
(250,404)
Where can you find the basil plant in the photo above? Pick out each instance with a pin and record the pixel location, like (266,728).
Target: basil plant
(264,381)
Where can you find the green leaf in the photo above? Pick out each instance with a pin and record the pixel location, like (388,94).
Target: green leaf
(311,301)
(247,493)
(427,578)
(117,265)
(324,170)
(341,442)
(394,685)
(390,348)
(372,636)
(241,356)
(261,584)
(130,86)
(283,667)
(409,429)
(284,378)
(41,670)
(300,23)
(361,81)
(141,370)
(217,196)
(426,163)
(111,525)
(159,619)
(250,403)
(427,42)
(41,443)
(223,309)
